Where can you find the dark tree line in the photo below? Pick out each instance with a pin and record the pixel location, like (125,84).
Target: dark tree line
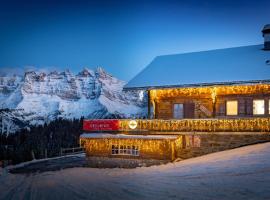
(40,140)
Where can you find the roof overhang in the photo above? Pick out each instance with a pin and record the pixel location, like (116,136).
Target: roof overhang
(251,82)
(125,136)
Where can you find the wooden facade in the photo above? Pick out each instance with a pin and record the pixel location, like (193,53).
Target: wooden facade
(209,102)
(175,145)
(137,147)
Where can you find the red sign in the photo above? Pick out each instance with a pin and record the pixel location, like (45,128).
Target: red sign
(101,125)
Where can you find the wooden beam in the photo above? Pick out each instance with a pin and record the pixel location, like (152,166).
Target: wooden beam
(149,104)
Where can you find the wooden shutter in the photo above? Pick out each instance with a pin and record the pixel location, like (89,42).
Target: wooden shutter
(241,107)
(222,109)
(249,106)
(189,110)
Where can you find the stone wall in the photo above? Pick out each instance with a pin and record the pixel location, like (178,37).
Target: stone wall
(214,142)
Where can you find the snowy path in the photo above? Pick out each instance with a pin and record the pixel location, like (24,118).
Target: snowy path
(242,173)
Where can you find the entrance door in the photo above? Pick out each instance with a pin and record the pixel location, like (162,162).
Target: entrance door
(178,111)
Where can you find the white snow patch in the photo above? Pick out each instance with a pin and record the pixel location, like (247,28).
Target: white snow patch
(237,174)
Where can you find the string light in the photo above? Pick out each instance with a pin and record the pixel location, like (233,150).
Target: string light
(151,148)
(206,125)
(212,92)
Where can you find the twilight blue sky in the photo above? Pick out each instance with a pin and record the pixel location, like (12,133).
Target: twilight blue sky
(122,36)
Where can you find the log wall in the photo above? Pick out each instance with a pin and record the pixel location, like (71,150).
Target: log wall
(209,102)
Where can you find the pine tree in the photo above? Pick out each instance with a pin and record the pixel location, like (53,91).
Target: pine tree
(60,133)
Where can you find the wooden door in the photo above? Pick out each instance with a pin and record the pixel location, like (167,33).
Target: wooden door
(189,110)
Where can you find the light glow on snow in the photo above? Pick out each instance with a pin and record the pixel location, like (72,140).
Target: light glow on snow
(237,174)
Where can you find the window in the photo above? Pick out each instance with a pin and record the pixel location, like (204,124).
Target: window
(232,107)
(125,150)
(178,111)
(269,107)
(258,107)
(115,149)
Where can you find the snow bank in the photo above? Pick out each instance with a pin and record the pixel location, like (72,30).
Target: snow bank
(242,173)
(23,164)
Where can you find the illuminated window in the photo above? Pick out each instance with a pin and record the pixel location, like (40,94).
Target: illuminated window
(258,107)
(125,150)
(232,107)
(178,111)
(269,107)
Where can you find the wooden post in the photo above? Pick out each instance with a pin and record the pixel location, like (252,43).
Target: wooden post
(214,110)
(149,104)
(266,105)
(46,153)
(3,125)
(33,155)
(61,152)
(214,100)
(173,151)
(154,109)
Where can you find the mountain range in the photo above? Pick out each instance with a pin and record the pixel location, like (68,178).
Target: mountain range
(38,97)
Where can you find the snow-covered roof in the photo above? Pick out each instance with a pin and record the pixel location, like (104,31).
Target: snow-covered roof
(266,27)
(124,136)
(238,65)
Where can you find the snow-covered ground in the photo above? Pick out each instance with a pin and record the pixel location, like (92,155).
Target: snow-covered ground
(242,173)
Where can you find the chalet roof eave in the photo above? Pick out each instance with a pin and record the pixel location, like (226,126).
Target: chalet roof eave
(199,85)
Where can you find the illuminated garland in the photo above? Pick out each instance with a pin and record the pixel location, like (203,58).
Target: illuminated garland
(153,148)
(209,125)
(212,92)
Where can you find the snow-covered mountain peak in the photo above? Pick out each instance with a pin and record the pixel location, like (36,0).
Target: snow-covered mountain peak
(101,73)
(91,94)
(86,73)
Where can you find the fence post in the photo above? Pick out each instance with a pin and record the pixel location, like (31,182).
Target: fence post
(61,152)
(46,153)
(33,155)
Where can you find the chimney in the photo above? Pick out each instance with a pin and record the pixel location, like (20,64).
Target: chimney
(266,35)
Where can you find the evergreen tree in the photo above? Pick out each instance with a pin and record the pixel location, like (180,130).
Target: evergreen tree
(60,133)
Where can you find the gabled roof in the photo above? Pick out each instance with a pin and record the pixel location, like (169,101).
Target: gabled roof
(239,65)
(266,28)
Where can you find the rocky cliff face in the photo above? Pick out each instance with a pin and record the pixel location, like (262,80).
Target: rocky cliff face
(41,97)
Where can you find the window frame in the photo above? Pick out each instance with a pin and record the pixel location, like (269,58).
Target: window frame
(268,106)
(125,150)
(237,103)
(263,107)
(182,111)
